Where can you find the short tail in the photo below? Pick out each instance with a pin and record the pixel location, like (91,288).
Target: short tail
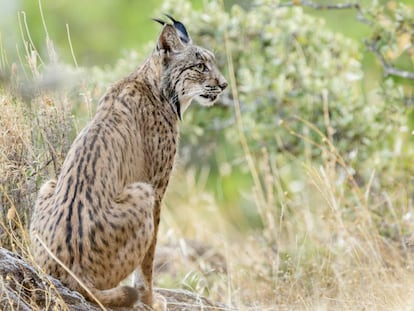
(121,296)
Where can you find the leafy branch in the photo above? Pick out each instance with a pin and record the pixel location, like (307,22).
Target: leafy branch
(388,68)
(373,46)
(319,6)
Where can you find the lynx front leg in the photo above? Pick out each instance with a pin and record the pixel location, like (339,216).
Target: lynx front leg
(148,262)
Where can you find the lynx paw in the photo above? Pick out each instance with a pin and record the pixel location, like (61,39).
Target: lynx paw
(159,302)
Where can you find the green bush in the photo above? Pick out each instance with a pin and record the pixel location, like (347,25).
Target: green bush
(299,85)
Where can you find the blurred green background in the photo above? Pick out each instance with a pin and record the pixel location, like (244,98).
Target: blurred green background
(102,29)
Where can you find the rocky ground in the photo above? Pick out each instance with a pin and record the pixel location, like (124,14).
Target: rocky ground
(23,288)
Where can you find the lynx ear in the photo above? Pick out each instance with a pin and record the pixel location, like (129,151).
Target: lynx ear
(182,31)
(169,41)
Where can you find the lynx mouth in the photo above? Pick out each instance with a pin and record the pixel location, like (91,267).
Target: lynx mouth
(211,97)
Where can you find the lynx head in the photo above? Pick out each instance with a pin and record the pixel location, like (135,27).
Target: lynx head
(189,71)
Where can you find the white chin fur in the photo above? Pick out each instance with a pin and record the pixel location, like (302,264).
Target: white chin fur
(204,101)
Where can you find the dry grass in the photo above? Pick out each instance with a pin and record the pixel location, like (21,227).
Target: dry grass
(321,247)
(314,258)
(34,139)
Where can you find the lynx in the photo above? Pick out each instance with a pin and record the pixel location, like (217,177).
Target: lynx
(100,217)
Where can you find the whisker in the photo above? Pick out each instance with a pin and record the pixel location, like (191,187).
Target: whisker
(194,93)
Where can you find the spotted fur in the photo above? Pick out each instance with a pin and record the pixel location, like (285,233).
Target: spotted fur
(101,216)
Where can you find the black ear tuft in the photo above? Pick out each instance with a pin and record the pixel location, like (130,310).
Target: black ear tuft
(159,21)
(182,31)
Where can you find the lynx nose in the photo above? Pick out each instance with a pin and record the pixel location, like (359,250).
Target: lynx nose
(223,85)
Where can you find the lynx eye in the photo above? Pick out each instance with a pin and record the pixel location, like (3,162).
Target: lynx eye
(201,67)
